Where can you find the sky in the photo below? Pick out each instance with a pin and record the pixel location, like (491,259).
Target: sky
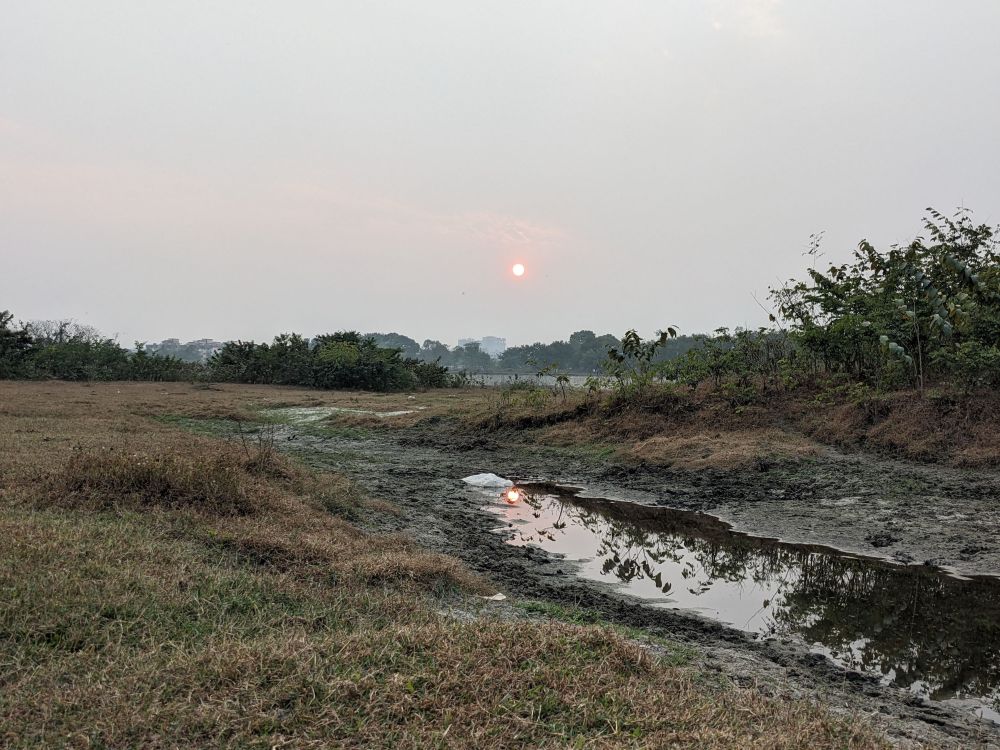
(237,169)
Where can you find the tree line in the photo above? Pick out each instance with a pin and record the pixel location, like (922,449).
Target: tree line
(907,316)
(69,351)
(584,353)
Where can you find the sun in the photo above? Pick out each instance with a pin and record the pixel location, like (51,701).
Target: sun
(518,269)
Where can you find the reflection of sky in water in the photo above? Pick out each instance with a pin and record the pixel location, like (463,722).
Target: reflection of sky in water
(639,562)
(910,626)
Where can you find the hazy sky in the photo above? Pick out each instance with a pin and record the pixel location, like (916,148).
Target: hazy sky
(235,169)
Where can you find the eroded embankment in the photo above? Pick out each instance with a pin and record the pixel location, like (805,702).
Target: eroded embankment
(715,428)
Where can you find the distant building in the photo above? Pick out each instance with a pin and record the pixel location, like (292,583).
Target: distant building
(492,345)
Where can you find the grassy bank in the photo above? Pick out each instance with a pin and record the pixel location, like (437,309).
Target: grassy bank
(163,589)
(712,428)
(708,427)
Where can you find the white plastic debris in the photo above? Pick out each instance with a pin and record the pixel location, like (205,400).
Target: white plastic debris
(495,598)
(487,480)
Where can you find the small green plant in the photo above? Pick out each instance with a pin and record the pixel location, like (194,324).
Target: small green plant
(632,366)
(561,379)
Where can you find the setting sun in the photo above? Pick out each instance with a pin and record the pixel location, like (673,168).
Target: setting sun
(518,269)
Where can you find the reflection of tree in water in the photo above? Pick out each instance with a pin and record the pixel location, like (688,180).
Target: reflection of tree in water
(910,624)
(634,551)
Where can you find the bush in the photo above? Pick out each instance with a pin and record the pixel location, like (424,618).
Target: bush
(110,478)
(971,364)
(339,360)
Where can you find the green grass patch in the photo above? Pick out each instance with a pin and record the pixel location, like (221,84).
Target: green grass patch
(212,427)
(670,652)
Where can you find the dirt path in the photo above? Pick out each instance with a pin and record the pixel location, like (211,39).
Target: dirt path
(858,504)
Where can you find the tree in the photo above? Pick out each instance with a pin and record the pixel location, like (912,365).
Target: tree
(47,332)
(407,346)
(435,351)
(895,315)
(15,346)
(472,357)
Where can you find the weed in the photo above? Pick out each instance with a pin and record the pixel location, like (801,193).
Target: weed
(258,447)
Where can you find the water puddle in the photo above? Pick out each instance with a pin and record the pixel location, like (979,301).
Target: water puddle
(915,627)
(307,414)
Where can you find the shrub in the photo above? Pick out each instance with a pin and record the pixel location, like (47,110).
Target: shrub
(972,364)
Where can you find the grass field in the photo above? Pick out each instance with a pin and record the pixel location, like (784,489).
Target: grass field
(164,589)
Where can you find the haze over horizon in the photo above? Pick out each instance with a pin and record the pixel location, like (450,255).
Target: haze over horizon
(240,169)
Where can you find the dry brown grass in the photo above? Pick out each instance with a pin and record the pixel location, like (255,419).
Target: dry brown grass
(688,446)
(704,429)
(142,609)
(214,484)
(736,449)
(934,426)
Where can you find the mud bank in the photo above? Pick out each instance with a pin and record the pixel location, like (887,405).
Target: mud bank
(899,512)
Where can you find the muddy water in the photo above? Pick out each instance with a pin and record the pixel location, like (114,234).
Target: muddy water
(915,627)
(306,414)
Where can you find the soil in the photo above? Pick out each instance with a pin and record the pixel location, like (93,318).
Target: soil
(908,513)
